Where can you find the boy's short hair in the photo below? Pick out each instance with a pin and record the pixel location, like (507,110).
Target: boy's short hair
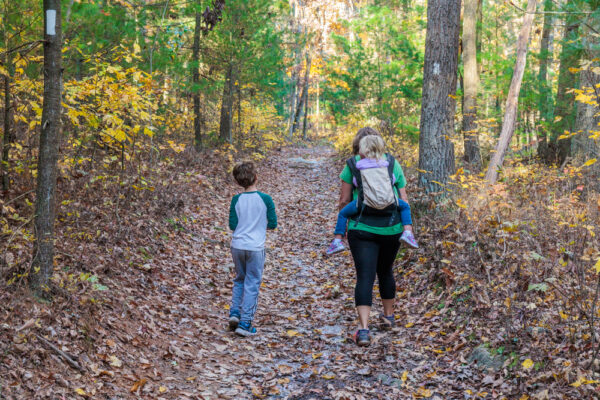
(362,132)
(245,174)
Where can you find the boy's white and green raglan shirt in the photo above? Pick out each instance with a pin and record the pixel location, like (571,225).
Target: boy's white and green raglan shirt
(250,215)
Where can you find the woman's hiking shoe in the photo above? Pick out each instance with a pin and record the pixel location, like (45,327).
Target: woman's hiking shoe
(387,322)
(245,329)
(362,338)
(234,320)
(335,247)
(409,238)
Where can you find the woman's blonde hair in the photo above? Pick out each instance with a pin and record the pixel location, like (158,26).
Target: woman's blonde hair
(372,146)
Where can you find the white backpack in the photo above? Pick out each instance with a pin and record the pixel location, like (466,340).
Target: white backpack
(376,197)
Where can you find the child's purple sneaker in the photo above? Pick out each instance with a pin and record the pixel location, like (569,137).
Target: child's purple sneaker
(409,238)
(335,247)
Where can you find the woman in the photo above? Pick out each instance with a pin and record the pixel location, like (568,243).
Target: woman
(374,247)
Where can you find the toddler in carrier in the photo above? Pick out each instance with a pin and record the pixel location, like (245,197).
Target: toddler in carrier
(371,151)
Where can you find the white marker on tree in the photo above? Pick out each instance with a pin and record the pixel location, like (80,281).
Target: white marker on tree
(51,22)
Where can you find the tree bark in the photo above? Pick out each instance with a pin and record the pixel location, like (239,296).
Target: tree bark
(436,152)
(471,86)
(7,135)
(303,97)
(512,100)
(45,209)
(227,105)
(307,85)
(196,82)
(545,96)
(564,110)
(8,119)
(588,117)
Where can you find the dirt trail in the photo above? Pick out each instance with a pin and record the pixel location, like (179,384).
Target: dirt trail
(159,328)
(306,310)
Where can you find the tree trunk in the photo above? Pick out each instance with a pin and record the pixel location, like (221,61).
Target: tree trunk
(7,135)
(196,82)
(227,105)
(564,111)
(303,97)
(471,85)
(436,152)
(307,85)
(588,117)
(512,100)
(45,209)
(545,99)
(8,119)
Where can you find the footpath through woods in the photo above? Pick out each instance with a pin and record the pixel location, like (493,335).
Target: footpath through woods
(156,328)
(305,315)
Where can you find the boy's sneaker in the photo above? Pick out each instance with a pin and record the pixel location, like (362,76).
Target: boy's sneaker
(335,247)
(387,322)
(362,338)
(234,320)
(245,329)
(409,238)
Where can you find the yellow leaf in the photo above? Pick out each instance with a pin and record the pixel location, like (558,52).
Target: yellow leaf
(563,315)
(422,392)
(589,162)
(328,376)
(80,391)
(115,362)
(148,132)
(404,376)
(136,48)
(292,333)
(597,266)
(527,364)
(409,325)
(162,389)
(120,135)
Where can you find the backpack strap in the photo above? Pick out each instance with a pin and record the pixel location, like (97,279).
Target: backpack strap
(391,163)
(351,162)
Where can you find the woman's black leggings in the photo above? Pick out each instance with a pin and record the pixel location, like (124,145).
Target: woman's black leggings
(373,255)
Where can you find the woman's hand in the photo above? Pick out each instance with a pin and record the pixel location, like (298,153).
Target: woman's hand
(345,195)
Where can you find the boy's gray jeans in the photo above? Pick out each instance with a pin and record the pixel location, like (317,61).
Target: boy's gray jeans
(249,269)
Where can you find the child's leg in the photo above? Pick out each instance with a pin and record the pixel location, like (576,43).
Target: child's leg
(348,211)
(255,262)
(405,216)
(239,260)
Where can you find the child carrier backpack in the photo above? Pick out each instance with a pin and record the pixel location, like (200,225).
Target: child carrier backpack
(377,201)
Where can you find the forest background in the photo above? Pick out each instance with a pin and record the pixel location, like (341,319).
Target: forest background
(154,94)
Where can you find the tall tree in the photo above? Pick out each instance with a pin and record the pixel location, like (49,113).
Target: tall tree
(303,98)
(564,112)
(45,208)
(587,122)
(471,85)
(196,81)
(545,92)
(7,134)
(436,152)
(512,100)
(226,123)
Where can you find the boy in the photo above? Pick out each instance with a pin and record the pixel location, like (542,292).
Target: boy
(250,215)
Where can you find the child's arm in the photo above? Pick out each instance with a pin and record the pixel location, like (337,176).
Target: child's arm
(271,214)
(233,218)
(403,195)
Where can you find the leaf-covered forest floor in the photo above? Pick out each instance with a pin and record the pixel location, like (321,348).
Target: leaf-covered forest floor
(142,288)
